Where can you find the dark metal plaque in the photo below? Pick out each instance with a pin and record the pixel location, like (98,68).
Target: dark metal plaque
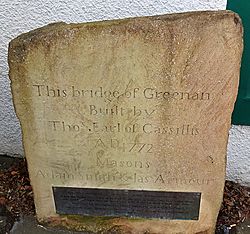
(129,203)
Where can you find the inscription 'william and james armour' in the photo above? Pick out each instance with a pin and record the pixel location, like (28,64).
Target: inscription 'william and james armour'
(113,112)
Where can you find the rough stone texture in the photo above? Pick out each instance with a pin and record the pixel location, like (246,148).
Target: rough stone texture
(20,16)
(183,132)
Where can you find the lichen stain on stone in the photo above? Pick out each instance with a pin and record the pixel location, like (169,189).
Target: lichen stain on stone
(46,37)
(49,35)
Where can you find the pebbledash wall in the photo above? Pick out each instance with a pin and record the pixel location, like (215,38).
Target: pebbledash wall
(19,16)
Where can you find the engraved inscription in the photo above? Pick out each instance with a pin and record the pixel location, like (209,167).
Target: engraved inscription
(147,128)
(96,116)
(121,178)
(148,93)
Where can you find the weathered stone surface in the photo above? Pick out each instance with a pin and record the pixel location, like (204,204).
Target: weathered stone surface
(135,104)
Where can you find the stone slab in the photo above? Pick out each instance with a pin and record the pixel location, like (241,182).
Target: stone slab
(137,104)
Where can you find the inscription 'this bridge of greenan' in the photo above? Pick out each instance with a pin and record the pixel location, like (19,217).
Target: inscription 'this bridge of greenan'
(147,93)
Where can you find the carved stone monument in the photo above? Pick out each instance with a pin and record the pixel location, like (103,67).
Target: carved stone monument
(125,123)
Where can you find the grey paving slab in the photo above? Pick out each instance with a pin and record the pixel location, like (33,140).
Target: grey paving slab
(244,228)
(28,225)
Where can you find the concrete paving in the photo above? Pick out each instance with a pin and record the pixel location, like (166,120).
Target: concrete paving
(29,225)
(244,228)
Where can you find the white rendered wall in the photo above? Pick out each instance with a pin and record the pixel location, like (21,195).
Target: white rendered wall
(19,16)
(238,159)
